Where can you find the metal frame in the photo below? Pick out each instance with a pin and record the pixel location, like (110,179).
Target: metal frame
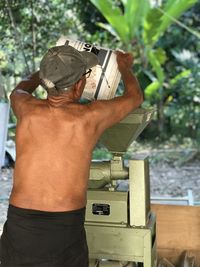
(129,232)
(134,244)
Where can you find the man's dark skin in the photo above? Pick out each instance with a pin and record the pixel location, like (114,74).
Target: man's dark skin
(55,138)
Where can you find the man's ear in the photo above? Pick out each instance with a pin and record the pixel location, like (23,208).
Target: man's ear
(78,88)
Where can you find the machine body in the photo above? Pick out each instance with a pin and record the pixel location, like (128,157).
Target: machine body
(120,227)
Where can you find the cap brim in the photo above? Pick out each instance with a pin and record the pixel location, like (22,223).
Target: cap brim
(90,58)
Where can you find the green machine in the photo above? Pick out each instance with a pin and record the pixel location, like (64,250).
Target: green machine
(120,227)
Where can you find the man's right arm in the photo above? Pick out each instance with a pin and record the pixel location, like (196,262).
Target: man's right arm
(108,112)
(23,92)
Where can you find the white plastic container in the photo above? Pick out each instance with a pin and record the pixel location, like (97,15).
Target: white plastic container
(105,77)
(4,116)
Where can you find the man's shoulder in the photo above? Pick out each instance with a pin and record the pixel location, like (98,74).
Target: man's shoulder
(20,95)
(22,101)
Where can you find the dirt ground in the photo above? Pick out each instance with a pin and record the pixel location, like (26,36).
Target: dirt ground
(167,178)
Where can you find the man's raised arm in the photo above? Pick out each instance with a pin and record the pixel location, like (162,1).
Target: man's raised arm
(109,112)
(23,92)
(132,88)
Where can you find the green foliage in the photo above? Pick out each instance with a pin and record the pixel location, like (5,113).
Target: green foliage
(114,16)
(173,9)
(126,23)
(136,17)
(85,12)
(166,51)
(135,12)
(101,154)
(151,26)
(159,19)
(154,60)
(184,107)
(27,30)
(153,35)
(180,76)
(152,90)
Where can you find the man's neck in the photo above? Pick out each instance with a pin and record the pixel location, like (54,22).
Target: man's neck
(61,99)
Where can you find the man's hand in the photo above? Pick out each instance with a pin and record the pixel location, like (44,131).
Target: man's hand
(30,83)
(124,61)
(132,87)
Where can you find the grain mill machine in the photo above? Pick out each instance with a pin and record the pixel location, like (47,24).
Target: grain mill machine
(120,227)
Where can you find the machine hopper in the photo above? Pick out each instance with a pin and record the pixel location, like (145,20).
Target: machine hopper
(118,138)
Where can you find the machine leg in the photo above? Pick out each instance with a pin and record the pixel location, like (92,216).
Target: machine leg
(99,263)
(93,263)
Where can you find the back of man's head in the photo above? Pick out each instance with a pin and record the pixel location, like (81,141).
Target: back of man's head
(63,66)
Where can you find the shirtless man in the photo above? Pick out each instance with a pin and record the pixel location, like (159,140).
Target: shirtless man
(55,138)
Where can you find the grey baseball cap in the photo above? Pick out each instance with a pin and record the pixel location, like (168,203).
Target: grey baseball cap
(62,66)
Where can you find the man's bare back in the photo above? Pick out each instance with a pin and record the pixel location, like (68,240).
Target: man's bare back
(55,145)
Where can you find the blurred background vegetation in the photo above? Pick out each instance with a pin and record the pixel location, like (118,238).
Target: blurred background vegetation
(163,35)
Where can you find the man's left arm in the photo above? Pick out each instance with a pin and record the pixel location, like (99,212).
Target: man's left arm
(23,92)
(29,84)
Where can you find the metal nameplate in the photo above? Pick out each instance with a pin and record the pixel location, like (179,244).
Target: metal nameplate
(101,209)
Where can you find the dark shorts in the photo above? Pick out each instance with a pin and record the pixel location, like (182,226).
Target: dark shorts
(43,239)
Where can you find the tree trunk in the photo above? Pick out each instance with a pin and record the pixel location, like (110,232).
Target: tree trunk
(160,115)
(33,35)
(17,35)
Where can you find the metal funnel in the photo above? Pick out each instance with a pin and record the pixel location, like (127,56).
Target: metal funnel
(118,138)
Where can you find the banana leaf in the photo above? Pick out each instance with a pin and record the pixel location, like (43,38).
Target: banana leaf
(151,54)
(152,90)
(135,12)
(173,9)
(151,26)
(159,19)
(180,76)
(114,16)
(126,25)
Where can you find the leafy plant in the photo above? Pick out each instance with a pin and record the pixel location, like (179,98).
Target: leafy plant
(137,20)
(140,26)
